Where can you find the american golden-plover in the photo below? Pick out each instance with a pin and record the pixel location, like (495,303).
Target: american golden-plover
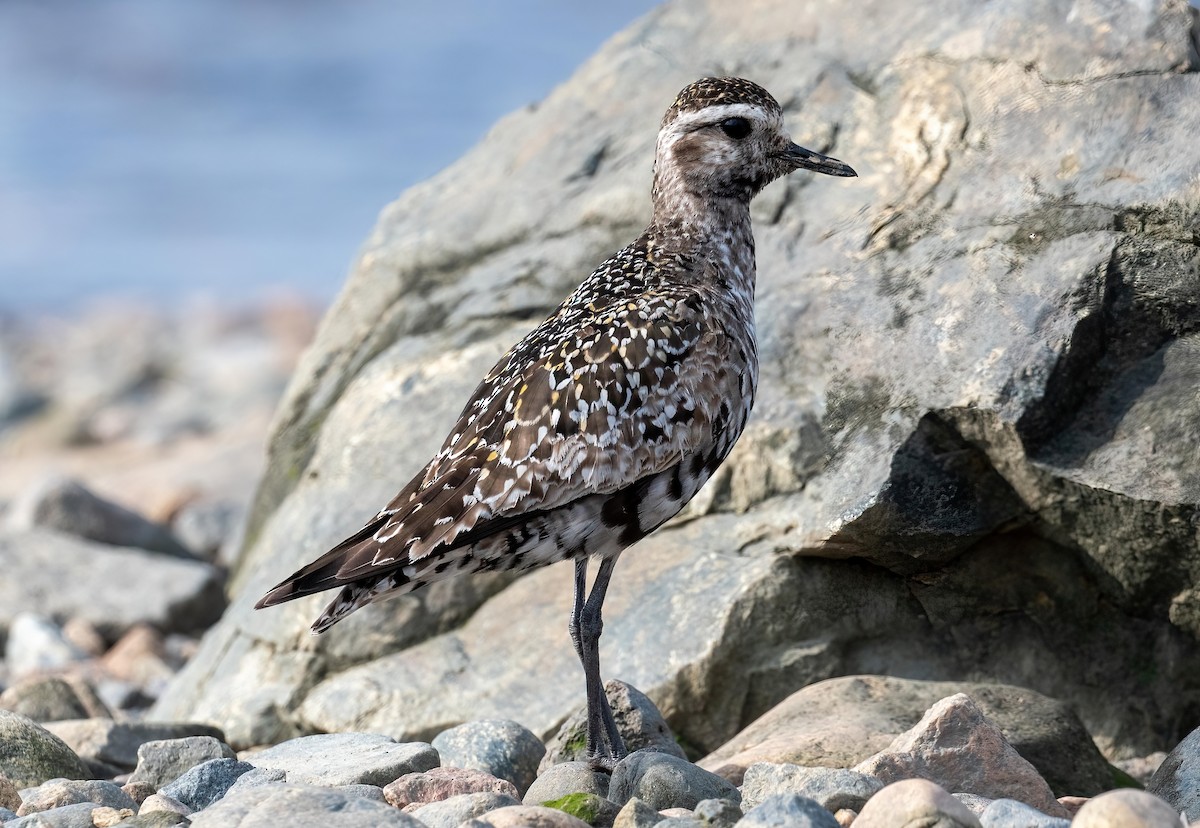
(600,424)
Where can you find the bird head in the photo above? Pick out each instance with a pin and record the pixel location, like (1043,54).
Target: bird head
(724,138)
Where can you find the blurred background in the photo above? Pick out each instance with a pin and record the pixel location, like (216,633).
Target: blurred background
(183,187)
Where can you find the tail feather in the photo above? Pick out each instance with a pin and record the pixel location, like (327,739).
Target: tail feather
(321,574)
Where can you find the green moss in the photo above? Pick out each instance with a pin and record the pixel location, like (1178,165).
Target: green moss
(1120,779)
(576,744)
(583,806)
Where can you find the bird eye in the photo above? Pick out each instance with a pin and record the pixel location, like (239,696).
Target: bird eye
(735,128)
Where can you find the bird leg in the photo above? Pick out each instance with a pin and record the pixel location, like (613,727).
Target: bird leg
(604,744)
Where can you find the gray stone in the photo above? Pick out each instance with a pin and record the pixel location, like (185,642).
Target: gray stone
(1009,813)
(500,747)
(831,788)
(372,792)
(206,783)
(842,721)
(975,803)
(257,778)
(665,781)
(55,793)
(638,719)
(9,796)
(971,358)
(156,819)
(205,526)
(1126,808)
(558,781)
(1177,779)
(67,506)
(679,822)
(915,802)
(637,814)
(718,813)
(525,816)
(443,783)
(957,747)
(117,743)
(163,760)
(788,811)
(30,754)
(53,698)
(346,759)
(7,815)
(78,815)
(36,645)
(450,813)
(168,593)
(302,805)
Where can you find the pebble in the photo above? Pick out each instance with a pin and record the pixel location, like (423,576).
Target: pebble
(717,813)
(525,816)
(1127,808)
(161,802)
(68,506)
(139,791)
(9,796)
(915,802)
(52,699)
(105,817)
(452,812)
(955,746)
(636,814)
(1009,813)
(845,817)
(301,805)
(1177,779)
(639,720)
(257,778)
(499,747)
(36,645)
(30,754)
(139,657)
(371,792)
(6,815)
(78,815)
(666,781)
(55,793)
(346,758)
(558,781)
(832,788)
(978,804)
(206,783)
(442,783)
(788,810)
(116,743)
(679,822)
(163,760)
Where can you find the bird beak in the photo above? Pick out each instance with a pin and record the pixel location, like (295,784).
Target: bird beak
(800,158)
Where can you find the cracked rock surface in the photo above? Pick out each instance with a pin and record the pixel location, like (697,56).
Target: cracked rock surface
(974,451)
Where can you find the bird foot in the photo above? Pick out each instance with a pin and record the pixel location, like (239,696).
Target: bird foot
(603,764)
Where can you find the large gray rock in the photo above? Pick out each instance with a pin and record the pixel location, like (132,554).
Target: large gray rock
(978,376)
(67,506)
(346,759)
(117,743)
(638,719)
(1177,779)
(43,575)
(30,754)
(496,746)
(840,722)
(301,805)
(53,698)
(665,781)
(163,760)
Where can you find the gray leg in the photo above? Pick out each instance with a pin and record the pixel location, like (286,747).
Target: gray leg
(577,606)
(604,744)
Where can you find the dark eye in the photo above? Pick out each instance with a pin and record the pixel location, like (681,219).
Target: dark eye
(735,128)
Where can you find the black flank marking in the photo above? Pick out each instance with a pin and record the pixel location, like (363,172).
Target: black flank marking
(675,489)
(653,433)
(442,567)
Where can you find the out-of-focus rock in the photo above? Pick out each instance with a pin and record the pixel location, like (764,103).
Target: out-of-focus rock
(30,755)
(117,743)
(53,698)
(36,645)
(61,576)
(67,506)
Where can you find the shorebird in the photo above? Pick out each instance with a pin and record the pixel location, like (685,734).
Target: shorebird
(605,420)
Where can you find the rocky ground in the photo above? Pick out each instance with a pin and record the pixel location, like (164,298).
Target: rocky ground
(836,754)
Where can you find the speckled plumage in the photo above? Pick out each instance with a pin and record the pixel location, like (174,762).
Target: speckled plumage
(604,421)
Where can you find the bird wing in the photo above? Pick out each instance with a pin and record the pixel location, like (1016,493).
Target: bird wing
(598,396)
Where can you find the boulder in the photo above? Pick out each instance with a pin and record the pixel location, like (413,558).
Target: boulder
(665,781)
(496,746)
(638,719)
(840,722)
(30,754)
(169,593)
(346,759)
(978,371)
(1177,779)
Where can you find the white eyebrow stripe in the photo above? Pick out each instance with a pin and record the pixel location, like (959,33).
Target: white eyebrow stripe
(715,114)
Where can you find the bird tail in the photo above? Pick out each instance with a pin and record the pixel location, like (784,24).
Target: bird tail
(321,574)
